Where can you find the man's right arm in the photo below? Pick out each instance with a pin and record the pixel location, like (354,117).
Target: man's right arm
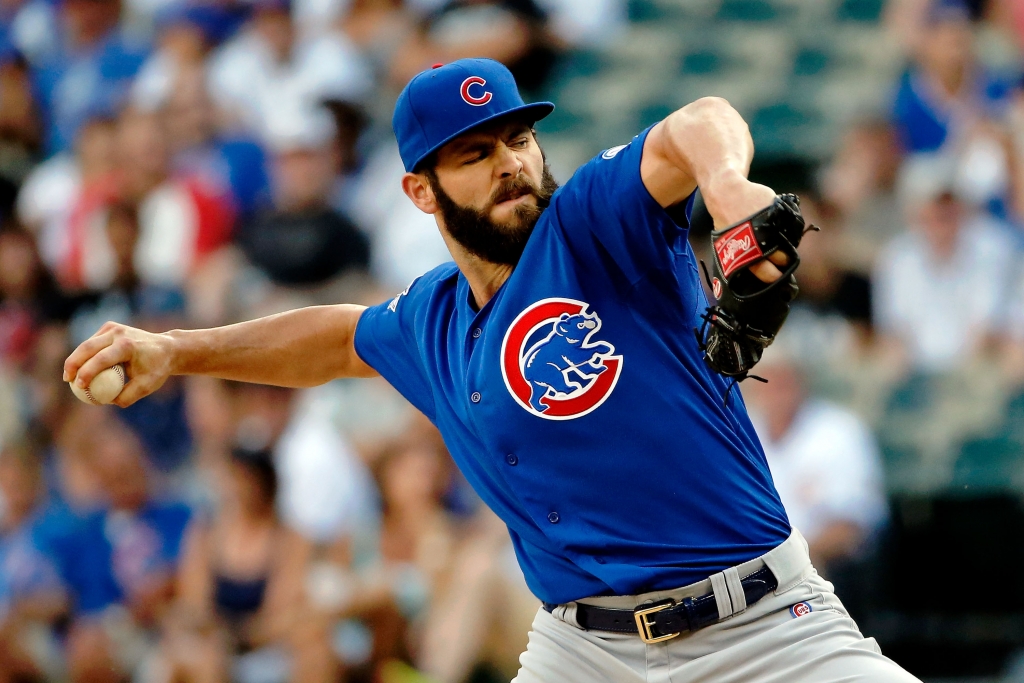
(301,348)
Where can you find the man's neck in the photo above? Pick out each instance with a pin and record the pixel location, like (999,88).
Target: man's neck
(484,278)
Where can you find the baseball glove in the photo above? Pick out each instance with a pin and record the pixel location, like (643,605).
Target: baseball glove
(749,312)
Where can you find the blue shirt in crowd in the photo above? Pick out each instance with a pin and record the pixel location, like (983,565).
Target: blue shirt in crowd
(25,568)
(922,117)
(577,402)
(112,554)
(73,87)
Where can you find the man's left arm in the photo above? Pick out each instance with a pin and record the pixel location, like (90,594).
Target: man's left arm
(707,144)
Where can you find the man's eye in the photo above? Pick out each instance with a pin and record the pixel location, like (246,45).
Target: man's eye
(475,158)
(521,142)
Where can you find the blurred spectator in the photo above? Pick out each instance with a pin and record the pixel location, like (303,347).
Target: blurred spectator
(511,31)
(942,287)
(91,69)
(832,313)
(303,241)
(29,298)
(824,462)
(181,43)
(379,28)
(32,595)
(325,490)
(405,242)
(586,23)
(270,63)
(416,535)
(232,162)
(180,219)
(479,619)
(859,175)
(121,564)
(33,28)
(20,131)
(947,103)
(242,613)
(66,184)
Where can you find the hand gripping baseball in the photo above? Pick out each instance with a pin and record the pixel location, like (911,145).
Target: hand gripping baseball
(145,356)
(750,312)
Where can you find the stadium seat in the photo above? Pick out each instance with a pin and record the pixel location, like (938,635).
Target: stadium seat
(860,10)
(703,63)
(987,465)
(749,10)
(812,61)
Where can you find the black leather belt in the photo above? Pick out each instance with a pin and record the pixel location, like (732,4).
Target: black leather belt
(667,619)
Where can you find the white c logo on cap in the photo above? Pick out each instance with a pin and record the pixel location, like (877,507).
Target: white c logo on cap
(469,99)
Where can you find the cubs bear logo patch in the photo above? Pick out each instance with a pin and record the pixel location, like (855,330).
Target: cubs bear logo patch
(554,363)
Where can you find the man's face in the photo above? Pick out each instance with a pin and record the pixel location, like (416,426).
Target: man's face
(949,47)
(303,178)
(941,219)
(491,186)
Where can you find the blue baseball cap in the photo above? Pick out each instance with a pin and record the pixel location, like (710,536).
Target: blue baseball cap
(442,103)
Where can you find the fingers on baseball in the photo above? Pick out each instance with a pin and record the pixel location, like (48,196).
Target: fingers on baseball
(118,351)
(86,350)
(137,387)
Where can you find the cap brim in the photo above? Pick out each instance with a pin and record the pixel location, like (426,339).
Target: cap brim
(532,112)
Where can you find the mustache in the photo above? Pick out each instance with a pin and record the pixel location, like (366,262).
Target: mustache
(513,189)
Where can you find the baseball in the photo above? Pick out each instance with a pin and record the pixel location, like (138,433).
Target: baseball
(104,387)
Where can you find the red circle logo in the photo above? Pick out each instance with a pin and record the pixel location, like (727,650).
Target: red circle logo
(469,98)
(554,362)
(716,287)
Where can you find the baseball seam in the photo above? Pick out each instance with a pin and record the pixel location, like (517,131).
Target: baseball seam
(120,373)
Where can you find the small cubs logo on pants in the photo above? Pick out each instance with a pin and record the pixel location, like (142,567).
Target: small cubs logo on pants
(554,363)
(800,609)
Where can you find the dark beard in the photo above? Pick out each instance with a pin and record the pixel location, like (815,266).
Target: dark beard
(473,229)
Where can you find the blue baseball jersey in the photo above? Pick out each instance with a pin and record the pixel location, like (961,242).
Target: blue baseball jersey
(577,403)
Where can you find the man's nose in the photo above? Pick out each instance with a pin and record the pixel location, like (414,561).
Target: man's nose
(509,163)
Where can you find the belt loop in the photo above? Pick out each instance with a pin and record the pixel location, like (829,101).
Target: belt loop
(736,594)
(567,614)
(789,562)
(721,591)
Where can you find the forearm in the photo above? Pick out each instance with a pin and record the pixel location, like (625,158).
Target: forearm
(710,141)
(298,348)
(301,348)
(705,144)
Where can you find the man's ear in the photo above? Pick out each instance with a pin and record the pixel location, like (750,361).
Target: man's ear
(417,189)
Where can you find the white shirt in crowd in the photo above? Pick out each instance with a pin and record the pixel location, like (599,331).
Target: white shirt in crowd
(577,22)
(405,242)
(943,310)
(325,489)
(826,469)
(246,79)
(45,203)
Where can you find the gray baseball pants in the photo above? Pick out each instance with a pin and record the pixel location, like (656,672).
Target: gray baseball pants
(763,643)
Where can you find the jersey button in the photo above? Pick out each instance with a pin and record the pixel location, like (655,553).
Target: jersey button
(475,397)
(477,332)
(512,459)
(553,517)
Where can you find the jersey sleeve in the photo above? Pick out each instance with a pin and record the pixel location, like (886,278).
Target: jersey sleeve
(387,340)
(605,205)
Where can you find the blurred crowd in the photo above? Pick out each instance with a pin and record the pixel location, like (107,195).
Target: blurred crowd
(188,163)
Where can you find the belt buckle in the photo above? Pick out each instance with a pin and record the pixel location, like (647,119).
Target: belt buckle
(644,626)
